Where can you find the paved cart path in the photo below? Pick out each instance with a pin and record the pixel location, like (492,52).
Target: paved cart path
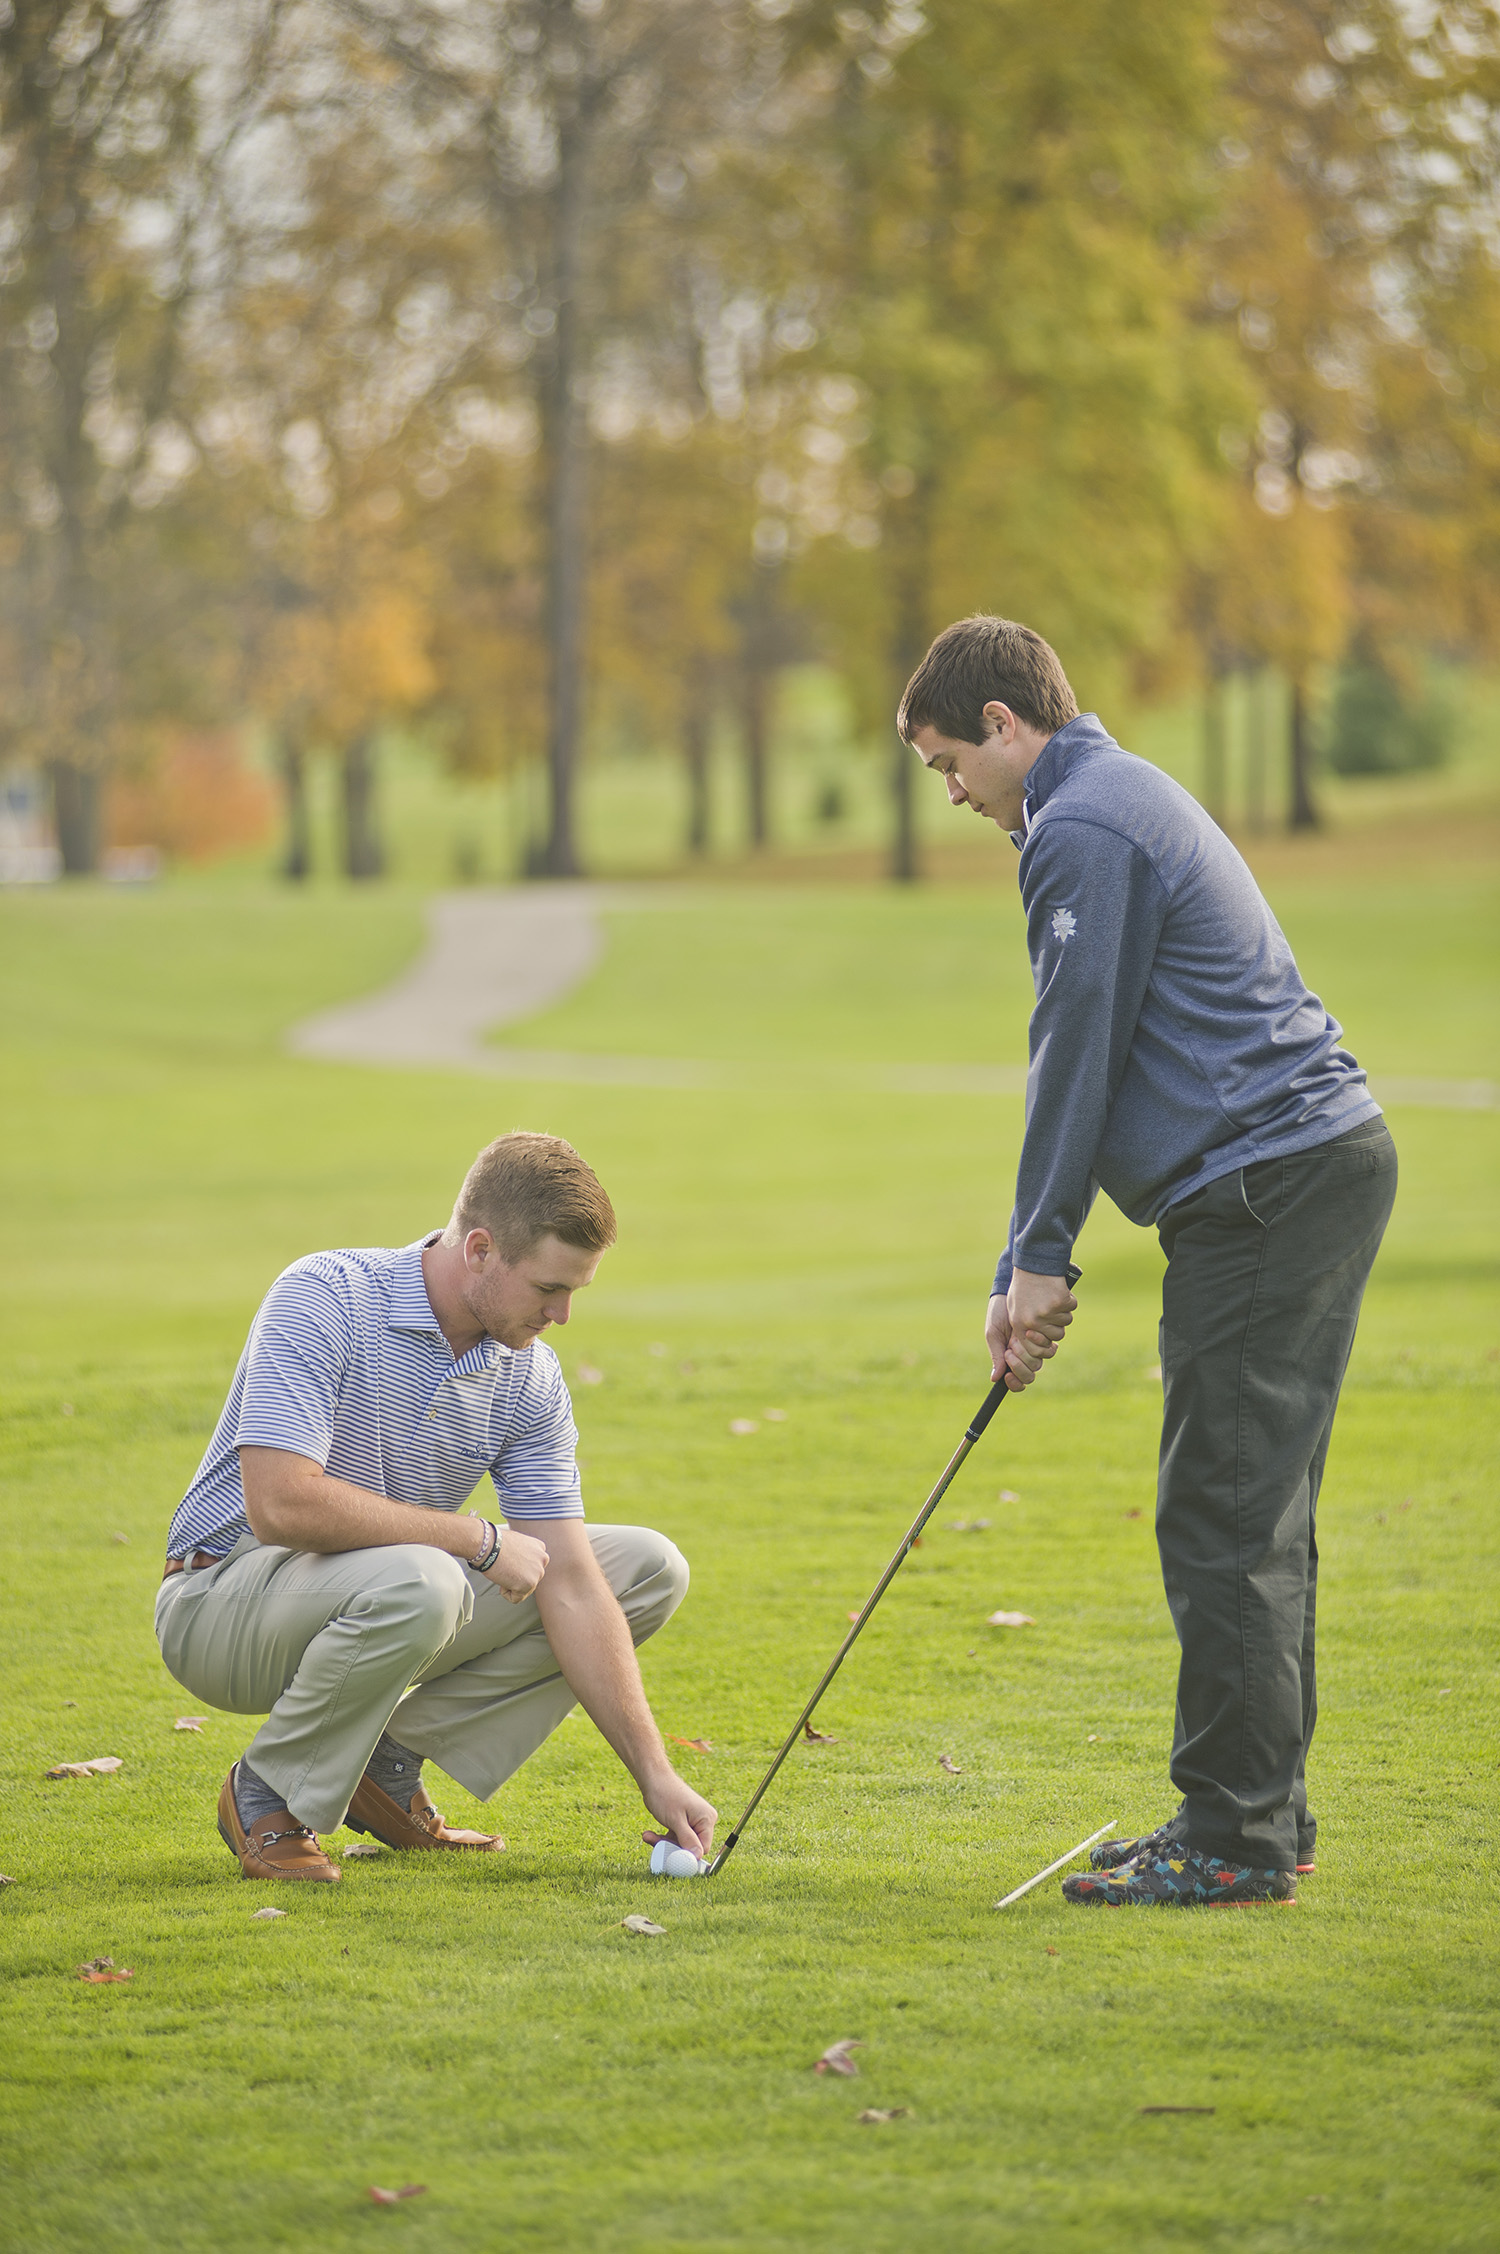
(494,958)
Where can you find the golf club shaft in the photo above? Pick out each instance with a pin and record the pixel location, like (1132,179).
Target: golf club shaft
(992,1401)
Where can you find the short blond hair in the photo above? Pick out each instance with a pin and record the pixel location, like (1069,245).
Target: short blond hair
(523,1187)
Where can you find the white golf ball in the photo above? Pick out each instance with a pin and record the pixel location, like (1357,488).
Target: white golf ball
(668,1860)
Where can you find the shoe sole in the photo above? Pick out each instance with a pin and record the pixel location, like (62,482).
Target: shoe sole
(421,1846)
(1101,1902)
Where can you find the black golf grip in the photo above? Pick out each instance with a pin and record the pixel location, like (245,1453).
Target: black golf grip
(987,1408)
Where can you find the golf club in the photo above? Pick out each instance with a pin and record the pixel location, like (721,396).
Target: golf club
(982,1416)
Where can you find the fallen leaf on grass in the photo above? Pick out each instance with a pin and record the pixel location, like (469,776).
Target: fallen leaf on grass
(389,2198)
(267,1913)
(6,1879)
(694,1744)
(1010,1620)
(778,1416)
(1009,1495)
(968,1525)
(1174,2109)
(1051,1952)
(740,1426)
(359,1847)
(1093,1737)
(104,1765)
(102,1969)
(854,1615)
(946,1761)
(588,1375)
(123,1539)
(810,1736)
(1132,1514)
(874,2113)
(642,1925)
(190,1722)
(836,2059)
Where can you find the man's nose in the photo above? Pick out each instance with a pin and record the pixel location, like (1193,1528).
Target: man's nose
(957,795)
(559,1309)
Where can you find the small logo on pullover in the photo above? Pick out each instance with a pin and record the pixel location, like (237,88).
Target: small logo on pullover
(1065,923)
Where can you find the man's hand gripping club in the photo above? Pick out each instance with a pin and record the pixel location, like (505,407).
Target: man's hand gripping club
(1026,1325)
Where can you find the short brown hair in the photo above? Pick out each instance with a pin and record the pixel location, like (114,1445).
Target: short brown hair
(523,1187)
(978,661)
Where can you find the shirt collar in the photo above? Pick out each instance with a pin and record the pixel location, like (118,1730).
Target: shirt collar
(411,1309)
(1084,734)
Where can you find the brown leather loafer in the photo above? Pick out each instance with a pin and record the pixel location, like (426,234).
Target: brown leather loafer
(275,1846)
(373,1810)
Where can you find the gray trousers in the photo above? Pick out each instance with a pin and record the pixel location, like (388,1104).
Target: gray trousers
(332,1650)
(1266,1270)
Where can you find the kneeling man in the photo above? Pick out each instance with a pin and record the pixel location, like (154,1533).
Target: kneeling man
(318,1568)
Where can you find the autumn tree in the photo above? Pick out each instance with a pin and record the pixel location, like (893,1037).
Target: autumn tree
(1352,256)
(1015,408)
(562,124)
(100,193)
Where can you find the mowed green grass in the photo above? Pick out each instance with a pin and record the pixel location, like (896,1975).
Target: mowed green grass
(489,2030)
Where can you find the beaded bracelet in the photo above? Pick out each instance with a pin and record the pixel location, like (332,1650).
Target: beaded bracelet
(491,1550)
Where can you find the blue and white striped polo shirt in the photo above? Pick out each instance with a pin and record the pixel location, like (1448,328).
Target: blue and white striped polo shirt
(345,1363)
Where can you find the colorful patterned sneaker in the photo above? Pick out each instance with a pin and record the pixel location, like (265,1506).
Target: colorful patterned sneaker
(1179,1879)
(1110,1853)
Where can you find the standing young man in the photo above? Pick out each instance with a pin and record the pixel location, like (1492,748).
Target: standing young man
(1179,1063)
(318,1568)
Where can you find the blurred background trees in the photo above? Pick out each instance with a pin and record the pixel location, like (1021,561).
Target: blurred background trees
(540,379)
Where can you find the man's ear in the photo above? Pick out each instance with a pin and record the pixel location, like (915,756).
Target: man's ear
(479,1249)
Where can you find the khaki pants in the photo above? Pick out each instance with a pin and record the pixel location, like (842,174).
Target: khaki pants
(334,1649)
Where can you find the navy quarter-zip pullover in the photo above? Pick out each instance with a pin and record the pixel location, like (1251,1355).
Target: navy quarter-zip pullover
(1173,1040)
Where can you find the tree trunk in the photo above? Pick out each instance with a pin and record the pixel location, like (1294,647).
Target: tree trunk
(695,752)
(1215,745)
(1256,751)
(75,816)
(905,865)
(296,864)
(362,854)
(753,684)
(912,636)
(565,435)
(1302,814)
(756,667)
